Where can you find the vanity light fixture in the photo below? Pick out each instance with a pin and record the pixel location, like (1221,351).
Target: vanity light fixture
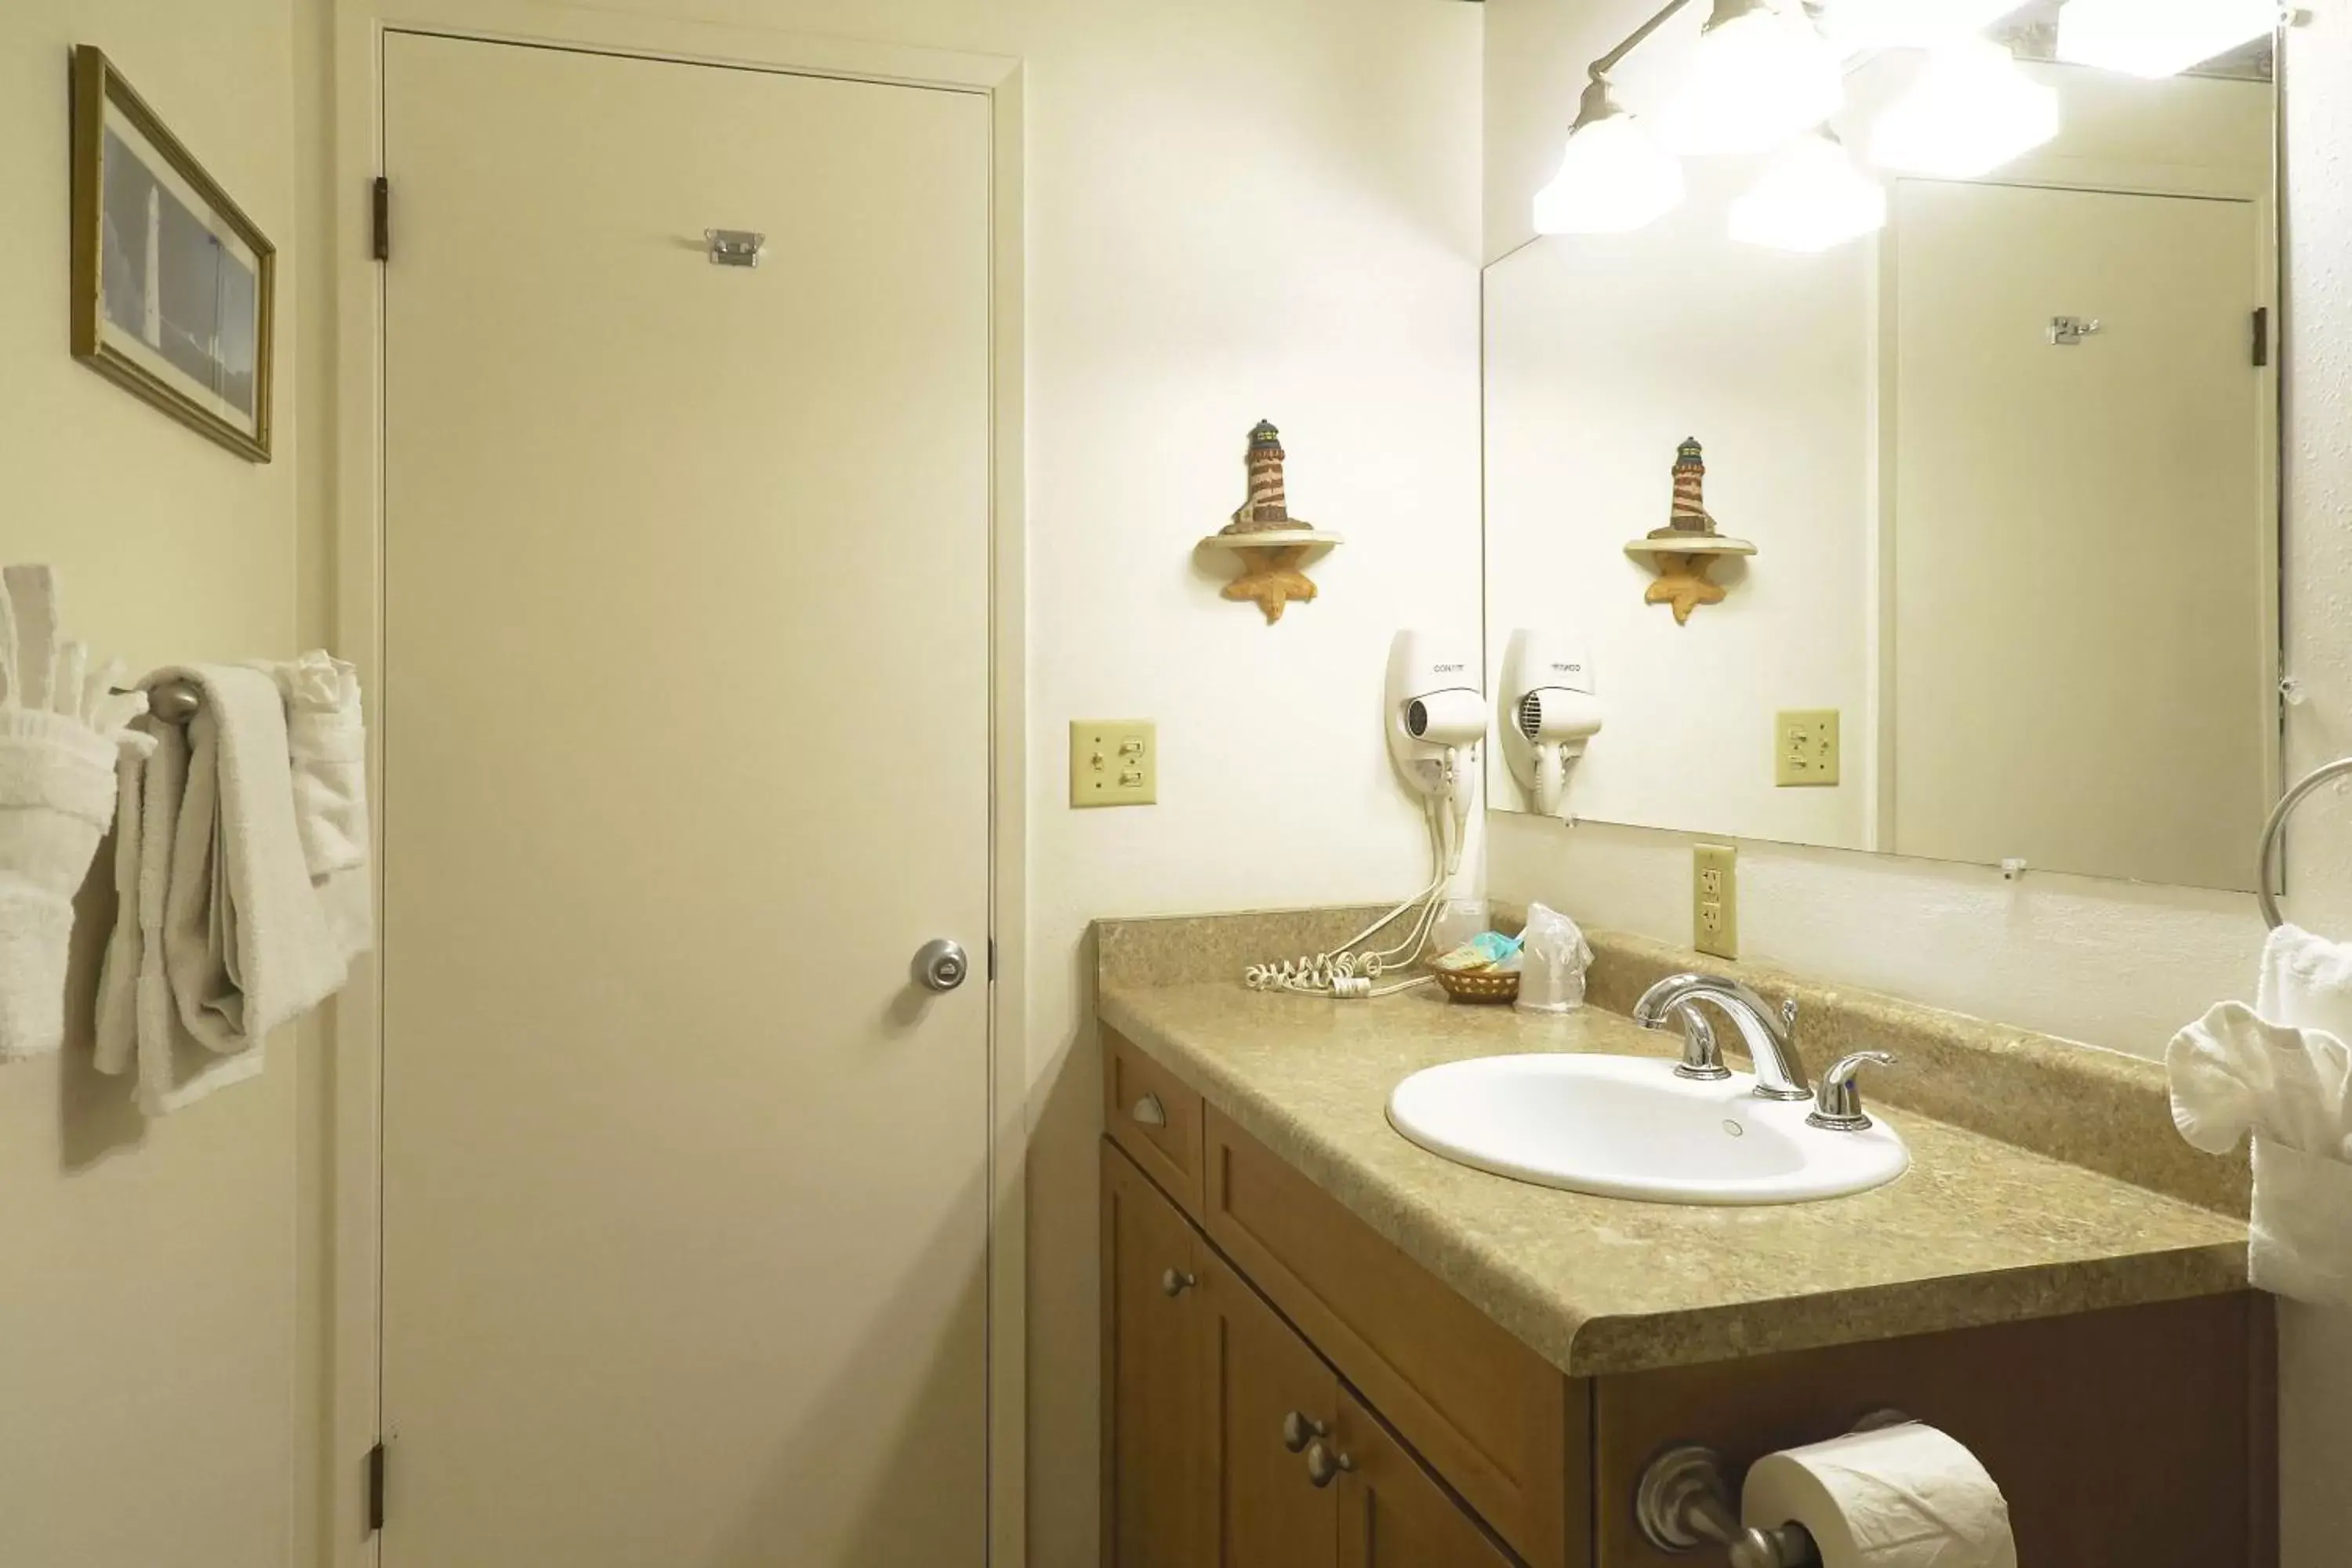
(2159,38)
(1810,197)
(1762,75)
(1972,109)
(1614,176)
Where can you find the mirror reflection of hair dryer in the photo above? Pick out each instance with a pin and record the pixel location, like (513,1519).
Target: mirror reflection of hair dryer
(1549,710)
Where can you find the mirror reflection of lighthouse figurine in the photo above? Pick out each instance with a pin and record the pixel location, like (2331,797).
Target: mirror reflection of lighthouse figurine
(1273,545)
(1685,551)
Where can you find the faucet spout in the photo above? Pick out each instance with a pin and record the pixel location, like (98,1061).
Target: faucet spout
(1767,1034)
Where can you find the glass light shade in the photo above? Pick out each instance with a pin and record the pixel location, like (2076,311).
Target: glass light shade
(1613,178)
(1855,26)
(2158,38)
(1972,109)
(1810,197)
(1757,79)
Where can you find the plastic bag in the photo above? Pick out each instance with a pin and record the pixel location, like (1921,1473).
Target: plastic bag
(1553,955)
(1456,924)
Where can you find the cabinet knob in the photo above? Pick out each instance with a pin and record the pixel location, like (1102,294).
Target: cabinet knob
(1175,1282)
(1299,1429)
(1324,1466)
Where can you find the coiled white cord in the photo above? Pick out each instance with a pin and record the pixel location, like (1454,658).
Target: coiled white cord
(1346,975)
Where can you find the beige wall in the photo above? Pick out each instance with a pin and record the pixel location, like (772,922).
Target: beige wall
(147,1379)
(2112,962)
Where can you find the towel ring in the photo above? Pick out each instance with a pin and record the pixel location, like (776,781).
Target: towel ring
(2293,798)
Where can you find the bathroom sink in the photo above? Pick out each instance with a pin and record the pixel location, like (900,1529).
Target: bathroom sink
(1627,1127)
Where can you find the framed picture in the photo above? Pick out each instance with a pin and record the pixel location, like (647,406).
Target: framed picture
(175,290)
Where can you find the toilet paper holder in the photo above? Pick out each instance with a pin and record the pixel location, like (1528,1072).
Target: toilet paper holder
(1685,1502)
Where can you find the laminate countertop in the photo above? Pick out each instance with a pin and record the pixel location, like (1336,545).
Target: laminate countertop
(1977,1232)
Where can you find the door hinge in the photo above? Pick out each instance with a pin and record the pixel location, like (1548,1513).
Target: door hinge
(375,1488)
(382,218)
(2263,337)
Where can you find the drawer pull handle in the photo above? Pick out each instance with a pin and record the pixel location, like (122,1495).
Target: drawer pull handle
(1175,1282)
(1324,1466)
(1299,1429)
(1149,1111)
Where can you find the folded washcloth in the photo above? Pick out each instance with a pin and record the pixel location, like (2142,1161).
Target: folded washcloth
(60,725)
(221,936)
(327,741)
(2234,1073)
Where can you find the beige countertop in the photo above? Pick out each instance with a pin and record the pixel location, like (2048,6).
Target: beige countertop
(1977,1232)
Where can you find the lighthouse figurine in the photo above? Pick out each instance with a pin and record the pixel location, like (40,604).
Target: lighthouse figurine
(1686,550)
(1273,545)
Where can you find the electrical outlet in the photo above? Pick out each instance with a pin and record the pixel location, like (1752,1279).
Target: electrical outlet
(1113,762)
(1805,749)
(1715,900)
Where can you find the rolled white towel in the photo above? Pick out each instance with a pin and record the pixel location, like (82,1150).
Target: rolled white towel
(2235,1073)
(60,725)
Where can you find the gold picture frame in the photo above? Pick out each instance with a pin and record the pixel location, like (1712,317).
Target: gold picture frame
(175,289)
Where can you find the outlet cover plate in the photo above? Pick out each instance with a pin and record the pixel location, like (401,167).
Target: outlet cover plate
(1113,762)
(1805,749)
(1715,900)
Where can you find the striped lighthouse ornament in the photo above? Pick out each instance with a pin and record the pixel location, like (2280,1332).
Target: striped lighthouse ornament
(1272,544)
(1268,506)
(1689,515)
(1685,551)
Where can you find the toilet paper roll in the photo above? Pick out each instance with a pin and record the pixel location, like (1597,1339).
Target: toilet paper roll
(1902,1496)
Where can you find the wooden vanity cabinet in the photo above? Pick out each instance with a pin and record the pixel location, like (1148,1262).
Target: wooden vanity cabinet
(1226,1438)
(1237,1292)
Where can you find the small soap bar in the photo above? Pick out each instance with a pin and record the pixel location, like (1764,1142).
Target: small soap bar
(1484,951)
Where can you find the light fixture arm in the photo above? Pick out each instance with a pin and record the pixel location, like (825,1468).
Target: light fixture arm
(1597,103)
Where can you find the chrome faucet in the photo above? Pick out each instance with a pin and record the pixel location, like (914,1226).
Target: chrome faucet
(1769,1036)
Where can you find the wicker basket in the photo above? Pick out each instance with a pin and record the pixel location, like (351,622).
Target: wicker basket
(1480,986)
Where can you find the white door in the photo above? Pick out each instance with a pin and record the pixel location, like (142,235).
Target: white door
(2082,533)
(686,728)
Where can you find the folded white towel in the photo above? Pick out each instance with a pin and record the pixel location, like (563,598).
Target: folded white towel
(221,937)
(2234,1073)
(60,724)
(2306,982)
(326,740)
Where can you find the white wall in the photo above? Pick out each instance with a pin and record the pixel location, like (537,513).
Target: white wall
(147,1341)
(2109,963)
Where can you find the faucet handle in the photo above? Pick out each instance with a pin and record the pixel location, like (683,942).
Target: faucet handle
(1838,1106)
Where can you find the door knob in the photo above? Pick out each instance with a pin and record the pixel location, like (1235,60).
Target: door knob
(942,964)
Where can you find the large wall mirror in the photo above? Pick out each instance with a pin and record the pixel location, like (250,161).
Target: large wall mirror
(2008,462)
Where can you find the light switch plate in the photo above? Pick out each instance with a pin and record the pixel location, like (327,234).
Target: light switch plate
(1715,900)
(1805,749)
(1113,762)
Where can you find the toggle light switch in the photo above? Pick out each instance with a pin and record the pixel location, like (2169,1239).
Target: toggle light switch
(1113,762)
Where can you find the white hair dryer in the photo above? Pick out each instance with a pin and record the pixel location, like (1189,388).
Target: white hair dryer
(1550,710)
(1436,718)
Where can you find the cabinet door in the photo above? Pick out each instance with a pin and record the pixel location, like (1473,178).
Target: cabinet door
(1157,1440)
(1270,1390)
(1392,1512)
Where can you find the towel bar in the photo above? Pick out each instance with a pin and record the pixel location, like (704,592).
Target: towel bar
(173,701)
(2287,803)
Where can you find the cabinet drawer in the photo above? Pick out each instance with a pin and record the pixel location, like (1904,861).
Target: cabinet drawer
(1149,1112)
(1505,1427)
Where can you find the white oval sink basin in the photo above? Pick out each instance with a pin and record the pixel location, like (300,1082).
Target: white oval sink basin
(1627,1127)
